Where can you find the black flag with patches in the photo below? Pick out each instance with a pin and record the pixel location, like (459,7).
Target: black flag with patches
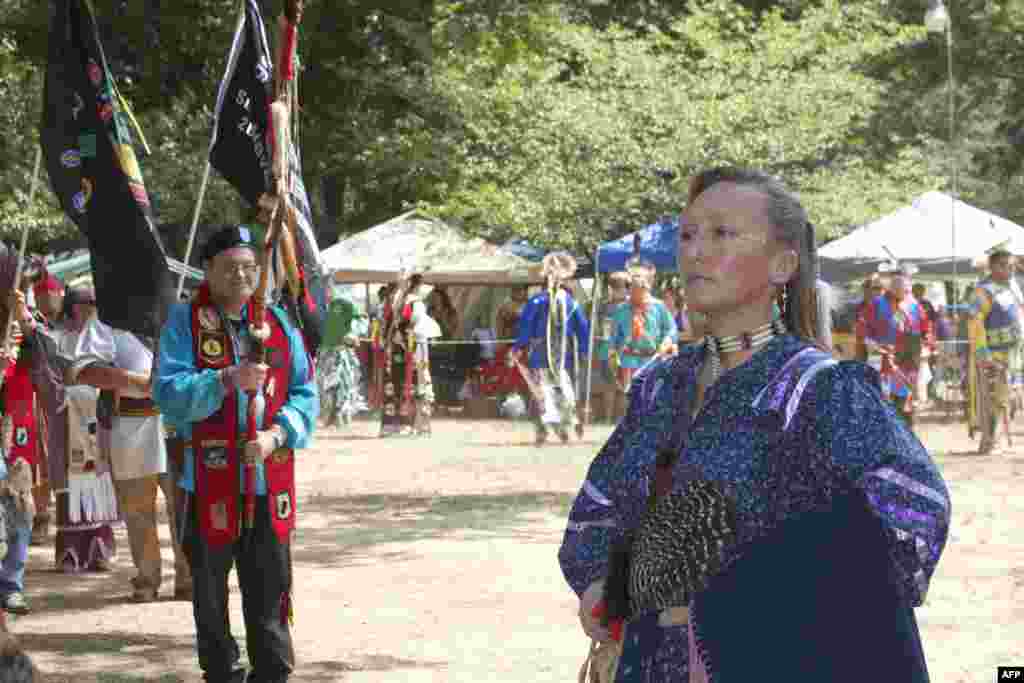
(240,152)
(87,144)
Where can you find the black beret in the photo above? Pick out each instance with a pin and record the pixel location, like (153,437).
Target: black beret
(227,238)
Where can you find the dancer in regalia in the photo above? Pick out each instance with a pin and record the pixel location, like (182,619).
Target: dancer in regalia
(553,327)
(759,514)
(19,436)
(894,330)
(995,334)
(86,500)
(203,386)
(49,293)
(29,389)
(408,389)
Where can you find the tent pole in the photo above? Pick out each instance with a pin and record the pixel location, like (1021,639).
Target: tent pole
(595,294)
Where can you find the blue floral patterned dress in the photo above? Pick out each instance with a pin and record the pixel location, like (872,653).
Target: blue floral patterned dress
(841,519)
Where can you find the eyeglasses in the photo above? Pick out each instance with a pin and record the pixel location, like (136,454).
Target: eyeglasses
(246,269)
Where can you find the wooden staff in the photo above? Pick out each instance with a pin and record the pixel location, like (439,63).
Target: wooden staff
(276,207)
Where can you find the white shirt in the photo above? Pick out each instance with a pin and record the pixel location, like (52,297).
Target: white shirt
(137,446)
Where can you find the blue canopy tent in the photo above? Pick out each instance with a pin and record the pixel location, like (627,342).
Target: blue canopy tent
(657,244)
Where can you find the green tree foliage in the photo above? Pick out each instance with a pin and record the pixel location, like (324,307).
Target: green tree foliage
(566,160)
(562,121)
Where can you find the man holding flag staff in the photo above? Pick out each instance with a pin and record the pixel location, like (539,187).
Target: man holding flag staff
(203,387)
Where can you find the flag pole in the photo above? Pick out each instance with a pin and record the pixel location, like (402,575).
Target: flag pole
(195,223)
(595,295)
(24,243)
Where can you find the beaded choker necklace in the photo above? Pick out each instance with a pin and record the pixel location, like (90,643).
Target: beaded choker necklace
(747,341)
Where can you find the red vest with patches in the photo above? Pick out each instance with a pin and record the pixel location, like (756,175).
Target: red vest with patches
(217,441)
(19,412)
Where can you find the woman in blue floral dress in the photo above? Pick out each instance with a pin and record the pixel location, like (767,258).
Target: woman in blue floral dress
(837,514)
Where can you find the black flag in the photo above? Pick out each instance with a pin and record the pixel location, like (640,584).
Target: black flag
(239,149)
(87,144)
(241,153)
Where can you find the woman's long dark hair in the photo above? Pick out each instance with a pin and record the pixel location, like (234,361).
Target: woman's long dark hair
(798,300)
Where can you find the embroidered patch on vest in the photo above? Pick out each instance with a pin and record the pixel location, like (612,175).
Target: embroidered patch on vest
(216,458)
(213,348)
(208,318)
(21,436)
(280,456)
(283,505)
(275,358)
(219,516)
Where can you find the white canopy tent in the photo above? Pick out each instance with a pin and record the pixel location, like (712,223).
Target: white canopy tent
(478,274)
(923,234)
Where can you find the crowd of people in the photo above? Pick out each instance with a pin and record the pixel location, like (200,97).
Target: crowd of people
(914,342)
(405,358)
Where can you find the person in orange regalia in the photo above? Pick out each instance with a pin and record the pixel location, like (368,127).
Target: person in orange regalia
(643,328)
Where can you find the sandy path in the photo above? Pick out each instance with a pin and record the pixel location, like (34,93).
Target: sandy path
(434,560)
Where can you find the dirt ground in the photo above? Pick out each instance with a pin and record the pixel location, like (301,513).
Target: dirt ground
(435,560)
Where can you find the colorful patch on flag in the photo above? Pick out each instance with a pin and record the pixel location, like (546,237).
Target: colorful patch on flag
(139,192)
(87,145)
(78,106)
(95,73)
(129,164)
(71,159)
